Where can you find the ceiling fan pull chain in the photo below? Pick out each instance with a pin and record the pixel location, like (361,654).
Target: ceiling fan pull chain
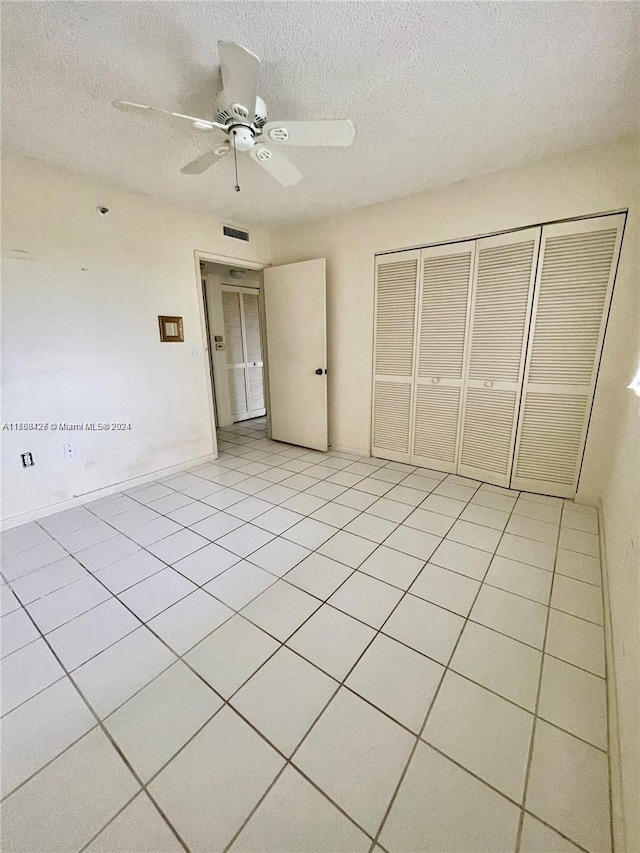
(235,159)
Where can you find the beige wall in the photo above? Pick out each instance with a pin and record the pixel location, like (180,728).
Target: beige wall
(80,297)
(593,180)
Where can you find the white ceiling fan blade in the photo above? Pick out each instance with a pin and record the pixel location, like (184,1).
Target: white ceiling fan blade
(276,164)
(240,69)
(335,132)
(205,161)
(197,123)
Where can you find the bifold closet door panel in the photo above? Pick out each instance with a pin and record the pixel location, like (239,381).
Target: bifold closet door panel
(443,309)
(396,283)
(255,363)
(232,313)
(574,284)
(500,313)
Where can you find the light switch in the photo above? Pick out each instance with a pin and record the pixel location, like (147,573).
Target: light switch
(194,352)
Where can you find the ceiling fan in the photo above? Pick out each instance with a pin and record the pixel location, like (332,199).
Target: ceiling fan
(242,116)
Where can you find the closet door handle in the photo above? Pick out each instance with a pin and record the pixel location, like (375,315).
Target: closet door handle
(488,384)
(435,380)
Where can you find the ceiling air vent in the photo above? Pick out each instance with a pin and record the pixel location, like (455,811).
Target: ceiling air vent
(236,233)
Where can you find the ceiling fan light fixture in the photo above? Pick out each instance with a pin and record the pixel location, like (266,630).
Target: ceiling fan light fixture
(243,137)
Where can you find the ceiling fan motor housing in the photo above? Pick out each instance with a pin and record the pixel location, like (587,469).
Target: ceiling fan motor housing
(234,114)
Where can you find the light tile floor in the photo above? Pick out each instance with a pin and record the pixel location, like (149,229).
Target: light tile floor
(289,650)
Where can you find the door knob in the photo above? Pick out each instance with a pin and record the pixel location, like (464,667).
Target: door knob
(319,372)
(435,381)
(488,384)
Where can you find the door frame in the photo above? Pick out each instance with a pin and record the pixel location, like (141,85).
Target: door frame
(227,260)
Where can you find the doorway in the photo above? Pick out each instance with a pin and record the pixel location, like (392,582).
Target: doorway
(232,301)
(278,354)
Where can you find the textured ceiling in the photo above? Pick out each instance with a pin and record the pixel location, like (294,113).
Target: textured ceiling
(437,92)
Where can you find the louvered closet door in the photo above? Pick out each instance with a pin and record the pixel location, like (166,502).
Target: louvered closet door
(396,283)
(443,309)
(573,291)
(255,364)
(499,322)
(236,371)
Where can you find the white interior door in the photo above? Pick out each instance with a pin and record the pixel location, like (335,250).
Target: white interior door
(396,288)
(502,293)
(443,311)
(296,326)
(574,284)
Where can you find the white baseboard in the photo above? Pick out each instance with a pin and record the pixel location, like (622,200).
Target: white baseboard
(587,500)
(615,775)
(352,451)
(78,500)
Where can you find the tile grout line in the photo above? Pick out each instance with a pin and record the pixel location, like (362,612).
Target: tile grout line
(341,685)
(537,704)
(379,469)
(237,612)
(144,548)
(283,577)
(140,793)
(612,730)
(226,570)
(289,759)
(198,586)
(280,535)
(100,725)
(217,510)
(92,572)
(419,737)
(73,555)
(225,702)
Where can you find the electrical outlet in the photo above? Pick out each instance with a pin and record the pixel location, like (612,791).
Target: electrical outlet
(27,460)
(69,450)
